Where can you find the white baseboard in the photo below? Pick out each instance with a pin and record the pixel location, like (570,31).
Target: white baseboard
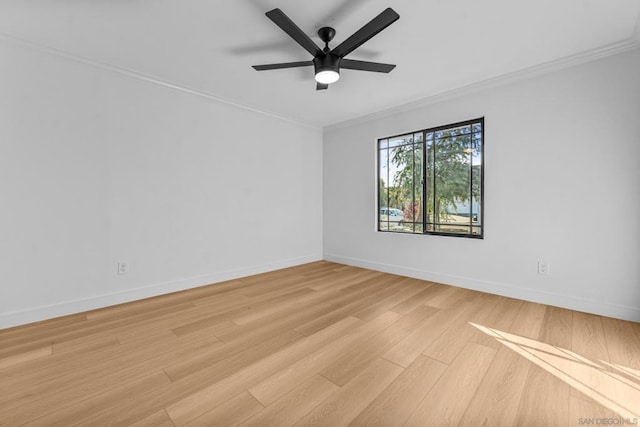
(35,314)
(64,308)
(601,308)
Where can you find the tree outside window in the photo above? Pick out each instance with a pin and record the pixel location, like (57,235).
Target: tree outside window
(431,181)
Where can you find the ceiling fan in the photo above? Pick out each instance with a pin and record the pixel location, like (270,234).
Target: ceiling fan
(328,62)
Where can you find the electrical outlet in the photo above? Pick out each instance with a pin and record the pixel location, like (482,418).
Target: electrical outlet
(123,267)
(544,267)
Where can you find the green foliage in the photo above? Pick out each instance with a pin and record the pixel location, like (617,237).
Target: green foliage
(384,196)
(408,159)
(448,170)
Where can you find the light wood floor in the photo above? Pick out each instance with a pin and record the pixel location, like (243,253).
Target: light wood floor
(321,344)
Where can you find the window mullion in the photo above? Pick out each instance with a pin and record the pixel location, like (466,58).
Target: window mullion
(413,182)
(424,181)
(471,179)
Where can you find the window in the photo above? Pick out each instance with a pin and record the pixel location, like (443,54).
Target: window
(431,181)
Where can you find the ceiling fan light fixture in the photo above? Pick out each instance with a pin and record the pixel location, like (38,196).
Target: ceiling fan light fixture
(327,62)
(327,68)
(327,76)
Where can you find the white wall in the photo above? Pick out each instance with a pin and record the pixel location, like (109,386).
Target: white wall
(98,167)
(562,184)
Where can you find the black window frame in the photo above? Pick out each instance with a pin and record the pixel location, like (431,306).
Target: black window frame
(425,182)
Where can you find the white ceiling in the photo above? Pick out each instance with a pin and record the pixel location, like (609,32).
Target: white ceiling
(209,46)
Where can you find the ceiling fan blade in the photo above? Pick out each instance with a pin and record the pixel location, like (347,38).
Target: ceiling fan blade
(377,24)
(282,65)
(351,64)
(289,27)
(321,86)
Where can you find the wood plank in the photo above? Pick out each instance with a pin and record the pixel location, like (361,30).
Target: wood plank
(408,350)
(27,356)
(449,296)
(86,344)
(294,405)
(53,372)
(340,279)
(111,326)
(208,397)
(589,344)
(27,332)
(396,402)
(408,289)
(221,374)
(236,310)
(545,398)
(157,419)
(76,411)
(446,402)
(216,331)
(586,412)
(41,393)
(288,318)
(418,299)
(622,384)
(623,345)
(219,361)
(345,404)
(498,395)
(260,311)
(357,359)
(356,277)
(446,347)
(269,287)
(501,317)
(347,310)
(230,413)
(293,375)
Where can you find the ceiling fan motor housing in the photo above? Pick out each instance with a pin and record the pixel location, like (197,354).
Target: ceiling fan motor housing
(327,62)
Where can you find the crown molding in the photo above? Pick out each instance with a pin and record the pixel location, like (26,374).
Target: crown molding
(504,79)
(526,73)
(148,78)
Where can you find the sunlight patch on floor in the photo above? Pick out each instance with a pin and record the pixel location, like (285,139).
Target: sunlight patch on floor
(617,389)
